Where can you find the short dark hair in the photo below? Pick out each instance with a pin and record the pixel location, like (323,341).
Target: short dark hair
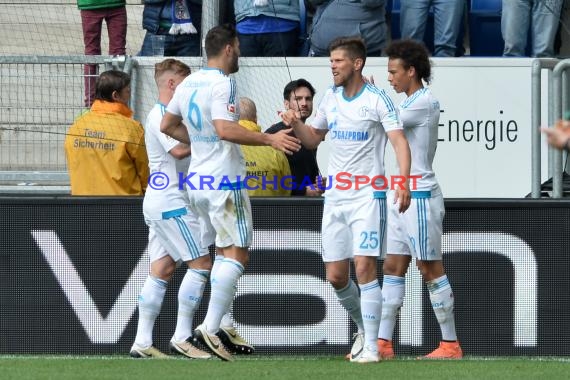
(218,37)
(109,82)
(293,85)
(354,46)
(412,53)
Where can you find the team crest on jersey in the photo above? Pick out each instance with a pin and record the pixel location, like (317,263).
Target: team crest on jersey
(363,111)
(231,108)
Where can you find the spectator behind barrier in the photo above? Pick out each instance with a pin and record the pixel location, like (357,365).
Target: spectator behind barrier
(540,16)
(268,165)
(363,18)
(104,147)
(93,12)
(169,33)
(448,16)
(267,28)
(298,95)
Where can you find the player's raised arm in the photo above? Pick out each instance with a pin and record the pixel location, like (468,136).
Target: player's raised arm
(309,136)
(403,155)
(233,132)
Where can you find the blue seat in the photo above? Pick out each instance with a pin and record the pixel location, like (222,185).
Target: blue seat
(491,6)
(485,38)
(395,8)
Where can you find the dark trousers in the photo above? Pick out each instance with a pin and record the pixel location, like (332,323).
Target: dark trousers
(92,24)
(269,44)
(180,45)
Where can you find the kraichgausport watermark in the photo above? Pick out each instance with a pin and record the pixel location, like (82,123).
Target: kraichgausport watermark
(340,181)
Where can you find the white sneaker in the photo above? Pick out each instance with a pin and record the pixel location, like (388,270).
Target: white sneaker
(367,356)
(357,346)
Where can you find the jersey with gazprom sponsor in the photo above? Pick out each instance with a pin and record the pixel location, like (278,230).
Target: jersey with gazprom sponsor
(163,194)
(357,129)
(420,115)
(201,98)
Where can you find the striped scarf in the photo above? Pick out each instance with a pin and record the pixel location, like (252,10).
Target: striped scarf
(181,19)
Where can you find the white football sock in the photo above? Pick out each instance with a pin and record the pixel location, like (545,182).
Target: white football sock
(226,319)
(371,305)
(189,298)
(223,283)
(442,302)
(350,300)
(150,302)
(217,261)
(393,290)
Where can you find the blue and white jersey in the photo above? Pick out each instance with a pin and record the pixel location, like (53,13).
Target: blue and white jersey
(203,97)
(420,116)
(159,199)
(357,129)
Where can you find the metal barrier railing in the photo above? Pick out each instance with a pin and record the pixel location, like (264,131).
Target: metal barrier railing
(536,104)
(560,101)
(35,117)
(39,98)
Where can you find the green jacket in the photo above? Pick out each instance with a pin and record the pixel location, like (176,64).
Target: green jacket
(99,4)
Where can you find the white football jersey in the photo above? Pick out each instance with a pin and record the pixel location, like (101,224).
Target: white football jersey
(420,116)
(357,129)
(158,199)
(202,97)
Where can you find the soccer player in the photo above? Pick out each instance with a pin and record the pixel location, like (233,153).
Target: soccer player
(174,233)
(360,118)
(207,102)
(417,232)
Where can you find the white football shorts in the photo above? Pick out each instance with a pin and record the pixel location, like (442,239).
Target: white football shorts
(418,231)
(225,215)
(178,235)
(354,229)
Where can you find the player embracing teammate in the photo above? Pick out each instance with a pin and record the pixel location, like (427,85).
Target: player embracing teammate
(204,113)
(361,224)
(354,221)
